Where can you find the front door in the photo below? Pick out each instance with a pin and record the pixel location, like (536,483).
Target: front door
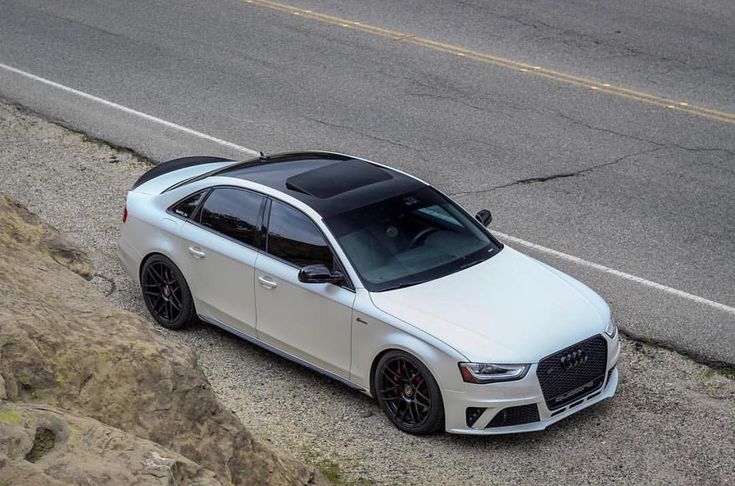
(309,321)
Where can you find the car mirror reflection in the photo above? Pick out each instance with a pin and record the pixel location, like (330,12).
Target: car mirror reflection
(319,274)
(484,216)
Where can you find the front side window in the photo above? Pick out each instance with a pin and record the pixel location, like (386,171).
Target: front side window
(293,237)
(409,239)
(232,212)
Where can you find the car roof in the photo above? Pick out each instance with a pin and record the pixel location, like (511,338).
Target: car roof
(327,182)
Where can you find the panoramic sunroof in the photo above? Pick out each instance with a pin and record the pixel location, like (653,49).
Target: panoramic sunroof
(337,178)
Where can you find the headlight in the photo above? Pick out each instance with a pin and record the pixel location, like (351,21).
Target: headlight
(491,373)
(611,329)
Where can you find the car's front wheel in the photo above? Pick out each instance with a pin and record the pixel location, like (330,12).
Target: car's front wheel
(166,293)
(408,393)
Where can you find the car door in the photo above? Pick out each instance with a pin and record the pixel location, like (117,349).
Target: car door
(307,320)
(220,243)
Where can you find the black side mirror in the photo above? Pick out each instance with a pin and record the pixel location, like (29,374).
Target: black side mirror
(484,217)
(319,274)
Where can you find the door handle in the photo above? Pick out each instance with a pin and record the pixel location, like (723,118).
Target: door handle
(267,282)
(196,252)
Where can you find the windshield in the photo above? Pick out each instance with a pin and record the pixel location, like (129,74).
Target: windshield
(410,239)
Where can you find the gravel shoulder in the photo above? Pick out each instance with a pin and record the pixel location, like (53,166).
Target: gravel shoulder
(672,422)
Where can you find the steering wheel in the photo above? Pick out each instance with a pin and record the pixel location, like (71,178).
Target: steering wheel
(420,236)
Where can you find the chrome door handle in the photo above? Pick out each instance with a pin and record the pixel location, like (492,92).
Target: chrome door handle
(267,282)
(196,252)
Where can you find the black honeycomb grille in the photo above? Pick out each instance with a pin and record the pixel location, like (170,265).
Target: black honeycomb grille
(525,414)
(573,372)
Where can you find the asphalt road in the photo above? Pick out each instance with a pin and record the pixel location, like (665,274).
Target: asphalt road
(616,180)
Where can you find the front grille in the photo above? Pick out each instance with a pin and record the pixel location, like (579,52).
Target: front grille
(573,372)
(525,414)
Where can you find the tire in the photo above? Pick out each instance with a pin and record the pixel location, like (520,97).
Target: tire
(408,394)
(166,293)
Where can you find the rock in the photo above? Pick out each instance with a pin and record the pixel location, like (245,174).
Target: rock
(23,227)
(51,446)
(62,344)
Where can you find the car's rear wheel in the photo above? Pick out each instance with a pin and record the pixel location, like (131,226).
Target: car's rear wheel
(408,393)
(166,293)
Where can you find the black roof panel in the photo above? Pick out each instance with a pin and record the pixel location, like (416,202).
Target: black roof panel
(329,183)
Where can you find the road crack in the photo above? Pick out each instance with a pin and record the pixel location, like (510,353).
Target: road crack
(362,133)
(561,175)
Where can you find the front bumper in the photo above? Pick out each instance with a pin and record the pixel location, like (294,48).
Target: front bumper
(494,398)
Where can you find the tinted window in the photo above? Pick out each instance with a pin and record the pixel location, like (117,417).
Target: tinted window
(186,207)
(232,212)
(410,239)
(294,238)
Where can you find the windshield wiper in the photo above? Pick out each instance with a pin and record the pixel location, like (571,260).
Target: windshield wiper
(472,263)
(403,285)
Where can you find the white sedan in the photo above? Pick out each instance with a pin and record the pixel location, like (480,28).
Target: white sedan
(374,278)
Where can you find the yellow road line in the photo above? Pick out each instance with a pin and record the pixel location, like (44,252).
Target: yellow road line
(406,38)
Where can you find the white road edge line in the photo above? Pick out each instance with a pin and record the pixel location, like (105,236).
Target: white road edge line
(527,244)
(130,111)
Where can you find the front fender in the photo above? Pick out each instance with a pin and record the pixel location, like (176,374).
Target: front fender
(382,332)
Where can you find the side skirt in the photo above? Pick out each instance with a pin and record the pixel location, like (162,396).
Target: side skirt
(282,354)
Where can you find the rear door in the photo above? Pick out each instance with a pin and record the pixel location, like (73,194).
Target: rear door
(220,242)
(310,321)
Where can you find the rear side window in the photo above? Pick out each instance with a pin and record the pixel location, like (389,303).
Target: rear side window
(294,238)
(186,207)
(232,212)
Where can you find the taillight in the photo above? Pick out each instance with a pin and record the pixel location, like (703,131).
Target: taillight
(125,214)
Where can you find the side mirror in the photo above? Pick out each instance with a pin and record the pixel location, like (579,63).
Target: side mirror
(319,274)
(484,217)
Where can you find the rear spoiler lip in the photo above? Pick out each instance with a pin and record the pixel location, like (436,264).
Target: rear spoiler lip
(175,164)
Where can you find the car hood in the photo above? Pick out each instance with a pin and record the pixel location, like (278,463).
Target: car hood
(507,309)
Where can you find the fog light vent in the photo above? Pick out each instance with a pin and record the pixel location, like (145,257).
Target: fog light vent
(525,414)
(472,414)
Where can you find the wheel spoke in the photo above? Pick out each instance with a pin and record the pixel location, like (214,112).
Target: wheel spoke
(410,412)
(157,276)
(396,376)
(423,405)
(159,306)
(176,302)
(154,303)
(419,416)
(389,378)
(403,414)
(419,394)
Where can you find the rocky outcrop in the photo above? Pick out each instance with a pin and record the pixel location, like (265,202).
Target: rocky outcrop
(46,446)
(69,355)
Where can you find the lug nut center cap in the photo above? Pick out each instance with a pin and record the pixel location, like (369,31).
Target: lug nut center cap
(408,390)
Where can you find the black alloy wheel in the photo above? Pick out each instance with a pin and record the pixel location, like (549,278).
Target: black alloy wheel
(166,294)
(408,394)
